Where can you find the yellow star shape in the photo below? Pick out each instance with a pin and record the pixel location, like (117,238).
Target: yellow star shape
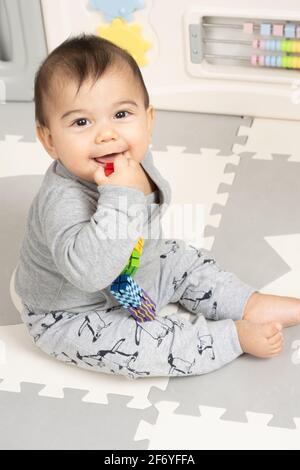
(128,37)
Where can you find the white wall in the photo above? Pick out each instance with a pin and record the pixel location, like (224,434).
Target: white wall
(173,81)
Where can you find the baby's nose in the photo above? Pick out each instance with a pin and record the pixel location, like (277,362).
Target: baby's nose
(106,135)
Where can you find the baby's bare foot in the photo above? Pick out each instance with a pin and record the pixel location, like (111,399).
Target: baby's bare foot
(260,340)
(263,308)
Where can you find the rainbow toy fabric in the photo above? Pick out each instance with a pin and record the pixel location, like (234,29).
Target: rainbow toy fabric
(124,288)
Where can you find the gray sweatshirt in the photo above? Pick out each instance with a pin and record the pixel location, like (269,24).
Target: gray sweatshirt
(69,257)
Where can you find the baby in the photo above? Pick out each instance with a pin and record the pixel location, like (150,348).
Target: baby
(92,107)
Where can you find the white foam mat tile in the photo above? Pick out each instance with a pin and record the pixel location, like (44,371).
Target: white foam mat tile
(270,136)
(195,179)
(22,361)
(209,432)
(287,247)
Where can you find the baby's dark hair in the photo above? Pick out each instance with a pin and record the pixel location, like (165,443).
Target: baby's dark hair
(79,58)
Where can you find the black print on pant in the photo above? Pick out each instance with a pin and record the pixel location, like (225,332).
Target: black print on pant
(124,353)
(180,365)
(164,327)
(195,301)
(50,319)
(167,327)
(125,360)
(95,324)
(200,255)
(64,357)
(206,342)
(177,282)
(173,248)
(185,367)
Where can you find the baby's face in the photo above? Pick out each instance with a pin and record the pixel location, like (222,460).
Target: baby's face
(110,118)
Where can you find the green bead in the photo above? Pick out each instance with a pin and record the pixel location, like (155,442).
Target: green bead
(135,254)
(284,62)
(133,271)
(134,262)
(130,271)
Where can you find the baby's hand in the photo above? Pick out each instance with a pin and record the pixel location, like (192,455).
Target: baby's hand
(127,173)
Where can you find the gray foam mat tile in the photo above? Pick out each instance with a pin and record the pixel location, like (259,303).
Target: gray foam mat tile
(16,195)
(195,131)
(18,119)
(269,386)
(263,200)
(69,423)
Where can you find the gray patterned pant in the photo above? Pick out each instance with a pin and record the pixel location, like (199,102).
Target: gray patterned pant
(110,340)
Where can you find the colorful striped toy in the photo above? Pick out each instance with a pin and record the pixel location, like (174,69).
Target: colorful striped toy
(127,292)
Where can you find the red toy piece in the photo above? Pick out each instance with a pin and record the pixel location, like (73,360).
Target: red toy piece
(109,168)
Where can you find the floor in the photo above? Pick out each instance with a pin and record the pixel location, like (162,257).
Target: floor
(243,175)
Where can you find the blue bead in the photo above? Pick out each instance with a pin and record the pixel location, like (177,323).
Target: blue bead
(279,61)
(268,61)
(290,30)
(265,29)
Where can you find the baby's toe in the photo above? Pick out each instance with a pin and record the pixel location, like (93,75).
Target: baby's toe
(275,339)
(271,329)
(277,346)
(277,351)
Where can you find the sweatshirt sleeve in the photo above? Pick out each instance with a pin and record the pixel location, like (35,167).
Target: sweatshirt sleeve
(90,249)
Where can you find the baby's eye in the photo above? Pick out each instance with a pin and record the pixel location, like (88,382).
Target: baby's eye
(122,113)
(81,120)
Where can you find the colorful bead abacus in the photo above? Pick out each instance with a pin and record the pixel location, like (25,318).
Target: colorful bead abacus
(128,293)
(288,45)
(284,51)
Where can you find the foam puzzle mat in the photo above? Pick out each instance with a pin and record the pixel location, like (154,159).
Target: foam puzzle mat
(245,175)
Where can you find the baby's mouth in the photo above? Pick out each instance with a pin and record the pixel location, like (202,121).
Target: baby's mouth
(107,158)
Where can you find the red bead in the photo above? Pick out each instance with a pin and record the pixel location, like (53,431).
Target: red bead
(109,168)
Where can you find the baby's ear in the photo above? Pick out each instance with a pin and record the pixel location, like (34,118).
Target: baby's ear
(44,136)
(151,118)
(151,112)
